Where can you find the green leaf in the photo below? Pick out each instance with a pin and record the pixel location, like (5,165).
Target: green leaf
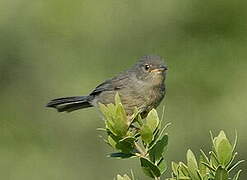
(112,109)
(235,165)
(110,127)
(213,159)
(223,148)
(149,168)
(139,120)
(152,120)
(183,169)
(192,165)
(235,141)
(117,99)
(112,142)
(221,174)
(126,145)
(236,176)
(209,167)
(101,129)
(175,168)
(191,160)
(184,178)
(202,167)
(199,175)
(146,134)
(103,109)
(232,159)
(204,157)
(135,116)
(224,152)
(116,118)
(158,149)
(162,166)
(121,155)
(121,124)
(121,112)
(125,177)
(132,175)
(156,135)
(217,139)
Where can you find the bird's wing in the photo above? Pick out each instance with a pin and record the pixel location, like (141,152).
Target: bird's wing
(105,86)
(111,84)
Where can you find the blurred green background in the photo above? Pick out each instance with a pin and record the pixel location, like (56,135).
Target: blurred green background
(58,48)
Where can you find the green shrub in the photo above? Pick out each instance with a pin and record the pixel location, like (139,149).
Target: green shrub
(135,137)
(218,165)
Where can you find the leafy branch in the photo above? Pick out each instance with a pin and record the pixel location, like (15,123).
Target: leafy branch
(218,165)
(143,138)
(136,137)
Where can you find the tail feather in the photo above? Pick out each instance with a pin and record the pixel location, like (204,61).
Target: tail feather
(69,104)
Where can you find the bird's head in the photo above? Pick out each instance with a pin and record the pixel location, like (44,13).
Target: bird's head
(151,69)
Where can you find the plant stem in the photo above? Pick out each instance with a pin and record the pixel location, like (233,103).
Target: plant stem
(139,148)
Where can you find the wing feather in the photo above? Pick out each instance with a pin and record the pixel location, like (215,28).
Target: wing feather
(115,83)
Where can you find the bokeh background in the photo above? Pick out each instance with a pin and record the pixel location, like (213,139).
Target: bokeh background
(58,48)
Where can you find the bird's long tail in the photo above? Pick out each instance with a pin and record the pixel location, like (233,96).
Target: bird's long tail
(69,104)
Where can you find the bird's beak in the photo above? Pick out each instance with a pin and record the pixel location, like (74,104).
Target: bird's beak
(162,68)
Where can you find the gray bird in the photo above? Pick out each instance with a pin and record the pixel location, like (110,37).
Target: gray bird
(142,86)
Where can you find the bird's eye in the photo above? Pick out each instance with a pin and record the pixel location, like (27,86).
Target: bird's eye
(146,67)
